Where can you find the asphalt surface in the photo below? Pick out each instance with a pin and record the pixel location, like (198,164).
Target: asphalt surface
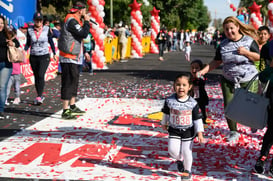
(138,78)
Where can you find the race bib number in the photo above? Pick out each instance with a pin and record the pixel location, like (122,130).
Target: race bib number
(181,120)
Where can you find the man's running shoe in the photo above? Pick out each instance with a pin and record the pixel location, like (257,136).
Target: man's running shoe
(67,114)
(77,111)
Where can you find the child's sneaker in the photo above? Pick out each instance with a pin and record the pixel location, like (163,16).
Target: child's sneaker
(186,176)
(259,166)
(39,100)
(180,166)
(16,100)
(6,103)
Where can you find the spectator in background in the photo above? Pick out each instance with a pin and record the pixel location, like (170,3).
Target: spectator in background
(88,50)
(264,35)
(5,65)
(38,37)
(161,39)
(73,32)
(180,38)
(122,40)
(56,29)
(15,78)
(174,40)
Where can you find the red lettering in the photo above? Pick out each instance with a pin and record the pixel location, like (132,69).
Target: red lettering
(87,155)
(130,119)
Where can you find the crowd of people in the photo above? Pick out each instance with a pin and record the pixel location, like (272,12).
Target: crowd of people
(243,52)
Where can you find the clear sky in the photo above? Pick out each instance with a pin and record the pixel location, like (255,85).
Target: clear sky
(221,7)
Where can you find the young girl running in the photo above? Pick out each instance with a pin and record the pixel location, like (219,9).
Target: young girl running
(183,120)
(199,92)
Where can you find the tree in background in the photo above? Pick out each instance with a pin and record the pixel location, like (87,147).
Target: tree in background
(184,14)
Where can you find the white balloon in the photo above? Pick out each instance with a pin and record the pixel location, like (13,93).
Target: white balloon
(102,14)
(100,53)
(101,7)
(103,59)
(270,6)
(255,19)
(95,26)
(99,31)
(95,2)
(138,13)
(102,36)
(252,15)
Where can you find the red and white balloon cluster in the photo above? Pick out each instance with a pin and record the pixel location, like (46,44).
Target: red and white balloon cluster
(96,8)
(255,16)
(270,16)
(136,27)
(155,25)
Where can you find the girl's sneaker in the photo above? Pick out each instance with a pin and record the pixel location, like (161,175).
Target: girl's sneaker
(186,176)
(39,100)
(16,100)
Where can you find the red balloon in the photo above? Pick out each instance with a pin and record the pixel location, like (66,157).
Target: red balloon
(92,8)
(255,7)
(154,12)
(135,5)
(89,2)
(231,6)
(102,2)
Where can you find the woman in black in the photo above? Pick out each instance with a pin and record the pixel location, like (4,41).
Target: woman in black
(162,39)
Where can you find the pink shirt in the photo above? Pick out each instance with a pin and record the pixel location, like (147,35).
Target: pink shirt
(16,68)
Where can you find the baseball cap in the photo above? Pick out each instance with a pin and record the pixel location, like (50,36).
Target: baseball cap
(77,6)
(25,26)
(38,15)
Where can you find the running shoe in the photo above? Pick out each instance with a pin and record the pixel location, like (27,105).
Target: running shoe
(67,114)
(233,136)
(16,100)
(259,166)
(77,111)
(186,175)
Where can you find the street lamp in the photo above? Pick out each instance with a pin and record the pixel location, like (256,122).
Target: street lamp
(111,13)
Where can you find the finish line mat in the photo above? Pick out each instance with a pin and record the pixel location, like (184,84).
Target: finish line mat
(121,139)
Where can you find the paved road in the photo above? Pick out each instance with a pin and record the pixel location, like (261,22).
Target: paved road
(136,73)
